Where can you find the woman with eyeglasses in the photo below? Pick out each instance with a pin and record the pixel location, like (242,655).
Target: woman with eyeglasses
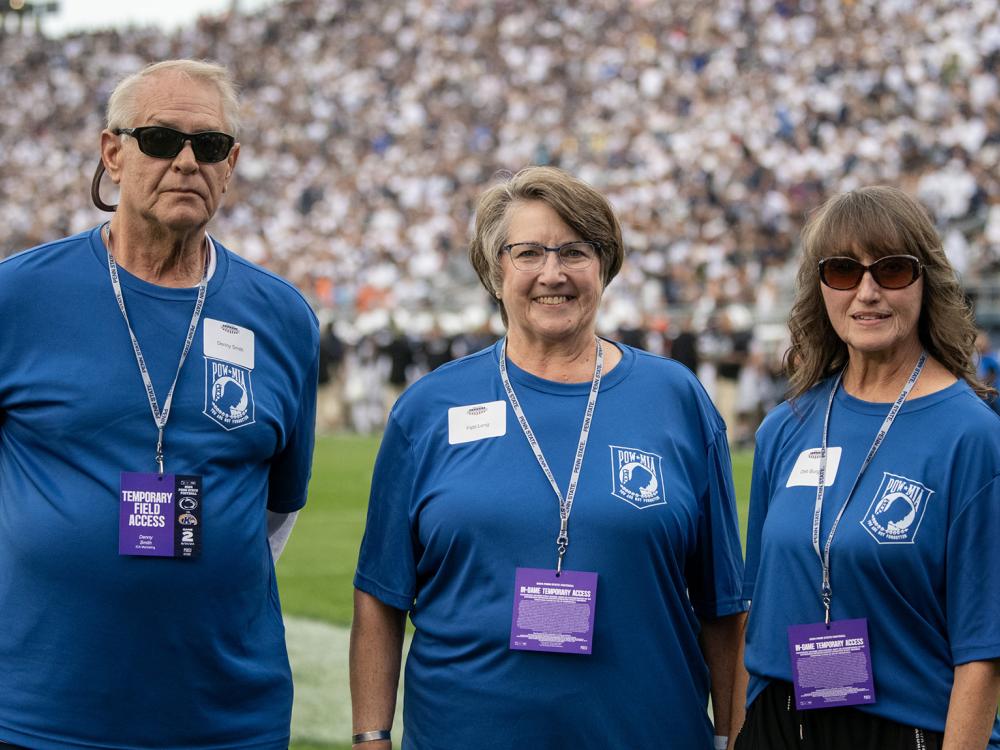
(555,513)
(873,549)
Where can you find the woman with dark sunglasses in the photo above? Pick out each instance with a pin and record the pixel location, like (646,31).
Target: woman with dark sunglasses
(873,562)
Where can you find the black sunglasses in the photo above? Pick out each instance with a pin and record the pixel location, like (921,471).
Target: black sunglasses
(890,272)
(165,143)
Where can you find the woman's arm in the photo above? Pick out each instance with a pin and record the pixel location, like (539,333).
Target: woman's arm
(376,653)
(741,680)
(720,643)
(973,705)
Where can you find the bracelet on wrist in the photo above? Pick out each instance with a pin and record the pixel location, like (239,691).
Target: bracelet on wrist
(721,742)
(373,735)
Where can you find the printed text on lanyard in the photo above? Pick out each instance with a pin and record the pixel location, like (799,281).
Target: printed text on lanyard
(565,504)
(159,417)
(824,555)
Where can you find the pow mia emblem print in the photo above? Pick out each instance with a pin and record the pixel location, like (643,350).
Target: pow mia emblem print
(897,509)
(229,363)
(228,394)
(637,477)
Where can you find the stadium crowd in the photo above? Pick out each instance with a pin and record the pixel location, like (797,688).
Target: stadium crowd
(713,126)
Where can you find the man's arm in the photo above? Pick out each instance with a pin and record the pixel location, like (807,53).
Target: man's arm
(720,642)
(973,706)
(375,657)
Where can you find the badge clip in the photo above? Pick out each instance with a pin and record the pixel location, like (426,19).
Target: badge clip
(562,544)
(159,452)
(827,596)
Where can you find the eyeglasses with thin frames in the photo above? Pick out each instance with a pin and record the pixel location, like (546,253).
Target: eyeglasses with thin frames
(161,142)
(573,256)
(891,272)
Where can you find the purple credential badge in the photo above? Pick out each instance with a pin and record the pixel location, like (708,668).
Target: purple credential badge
(831,665)
(159,515)
(553,613)
(146,520)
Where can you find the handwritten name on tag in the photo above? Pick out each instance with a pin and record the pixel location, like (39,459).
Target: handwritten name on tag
(477,422)
(805,473)
(229,343)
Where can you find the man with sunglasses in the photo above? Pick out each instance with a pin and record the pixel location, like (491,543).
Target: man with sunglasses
(157,404)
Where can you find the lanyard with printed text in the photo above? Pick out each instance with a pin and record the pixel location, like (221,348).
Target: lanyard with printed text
(824,555)
(565,504)
(159,417)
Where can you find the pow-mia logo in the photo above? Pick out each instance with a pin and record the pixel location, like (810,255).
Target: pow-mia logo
(228,394)
(897,509)
(636,477)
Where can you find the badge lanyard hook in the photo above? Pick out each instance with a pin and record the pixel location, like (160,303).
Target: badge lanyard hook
(562,543)
(826,591)
(565,504)
(159,417)
(159,450)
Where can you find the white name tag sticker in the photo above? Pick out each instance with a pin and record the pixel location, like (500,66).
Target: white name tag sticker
(477,422)
(805,473)
(229,343)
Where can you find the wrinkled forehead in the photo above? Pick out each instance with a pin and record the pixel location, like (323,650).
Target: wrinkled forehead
(180,101)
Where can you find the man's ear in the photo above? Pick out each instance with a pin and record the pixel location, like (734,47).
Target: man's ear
(112,154)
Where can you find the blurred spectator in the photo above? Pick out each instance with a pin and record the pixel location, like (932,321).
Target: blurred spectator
(329,406)
(988,366)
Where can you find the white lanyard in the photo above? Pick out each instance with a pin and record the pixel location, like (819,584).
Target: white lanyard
(159,417)
(824,556)
(565,504)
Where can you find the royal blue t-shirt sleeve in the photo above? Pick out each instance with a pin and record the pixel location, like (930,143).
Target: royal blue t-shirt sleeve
(973,577)
(288,482)
(715,570)
(387,567)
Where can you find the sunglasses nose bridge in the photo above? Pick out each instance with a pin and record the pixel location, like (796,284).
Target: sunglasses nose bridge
(868,284)
(186,153)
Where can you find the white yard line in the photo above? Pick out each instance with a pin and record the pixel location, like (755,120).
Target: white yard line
(322,709)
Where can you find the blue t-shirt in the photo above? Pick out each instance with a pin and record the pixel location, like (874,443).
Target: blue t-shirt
(449,524)
(99,650)
(916,551)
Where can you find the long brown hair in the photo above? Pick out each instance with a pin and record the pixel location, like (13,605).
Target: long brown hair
(879,221)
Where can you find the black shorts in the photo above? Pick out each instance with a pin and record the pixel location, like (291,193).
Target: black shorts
(773,723)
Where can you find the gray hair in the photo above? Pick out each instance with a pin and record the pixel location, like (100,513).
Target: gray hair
(123,103)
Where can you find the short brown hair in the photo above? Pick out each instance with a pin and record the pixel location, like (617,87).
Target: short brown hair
(876,221)
(583,208)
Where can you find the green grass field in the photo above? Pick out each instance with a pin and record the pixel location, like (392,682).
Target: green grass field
(316,571)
